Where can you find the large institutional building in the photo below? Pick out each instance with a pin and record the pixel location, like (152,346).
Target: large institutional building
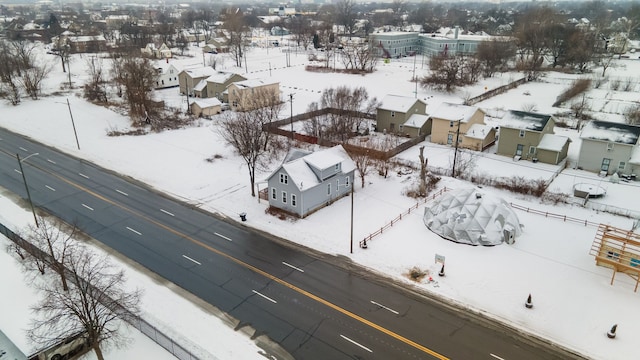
(450,41)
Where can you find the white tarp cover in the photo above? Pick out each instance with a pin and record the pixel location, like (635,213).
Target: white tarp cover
(469,216)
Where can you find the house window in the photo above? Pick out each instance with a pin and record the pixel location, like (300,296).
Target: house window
(519,148)
(449,139)
(328,189)
(393,114)
(609,146)
(337,167)
(450,123)
(338,185)
(521,133)
(613,255)
(274,193)
(634,262)
(532,150)
(605,164)
(400,127)
(346,181)
(284,178)
(622,165)
(293,199)
(284,197)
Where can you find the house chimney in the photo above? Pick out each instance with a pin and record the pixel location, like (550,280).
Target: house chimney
(455,34)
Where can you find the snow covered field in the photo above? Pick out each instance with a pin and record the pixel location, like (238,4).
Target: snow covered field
(574,303)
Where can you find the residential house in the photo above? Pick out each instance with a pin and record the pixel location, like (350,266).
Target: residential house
(523,133)
(306,182)
(158,52)
(252,94)
(609,147)
(206,107)
(167,75)
(189,78)
(464,123)
(395,111)
(216,45)
(219,82)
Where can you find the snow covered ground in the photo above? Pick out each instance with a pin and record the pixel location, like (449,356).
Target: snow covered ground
(574,303)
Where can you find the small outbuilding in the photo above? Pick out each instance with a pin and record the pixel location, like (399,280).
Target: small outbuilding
(470,216)
(206,107)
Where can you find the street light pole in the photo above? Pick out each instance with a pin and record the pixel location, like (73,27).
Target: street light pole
(24,179)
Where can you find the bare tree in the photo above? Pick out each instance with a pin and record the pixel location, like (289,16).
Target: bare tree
(33,77)
(494,55)
(94,88)
(55,245)
(422,188)
(137,76)
(237,29)
(94,304)
(530,31)
(632,115)
(465,162)
(364,163)
(244,132)
(302,31)
(10,70)
(359,56)
(448,72)
(346,15)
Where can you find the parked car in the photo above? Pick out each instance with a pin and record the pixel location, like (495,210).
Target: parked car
(66,349)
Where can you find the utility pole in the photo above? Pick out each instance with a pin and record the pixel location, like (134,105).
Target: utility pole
(291,118)
(73,124)
(24,179)
(352,186)
(455,154)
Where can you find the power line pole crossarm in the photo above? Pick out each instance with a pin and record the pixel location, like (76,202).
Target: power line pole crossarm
(24,179)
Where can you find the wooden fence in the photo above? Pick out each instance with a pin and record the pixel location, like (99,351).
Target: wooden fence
(363,242)
(564,218)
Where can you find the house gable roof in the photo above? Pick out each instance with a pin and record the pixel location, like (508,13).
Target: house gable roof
(610,131)
(253,83)
(300,168)
(479,131)
(200,85)
(199,72)
(397,103)
(207,102)
(553,142)
(523,120)
(222,77)
(454,112)
(416,121)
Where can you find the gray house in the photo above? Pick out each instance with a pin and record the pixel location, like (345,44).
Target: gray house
(609,147)
(529,136)
(306,182)
(395,111)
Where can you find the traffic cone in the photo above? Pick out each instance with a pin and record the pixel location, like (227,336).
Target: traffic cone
(612,333)
(528,304)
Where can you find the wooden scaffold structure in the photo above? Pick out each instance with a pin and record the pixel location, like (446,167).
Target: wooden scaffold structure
(619,250)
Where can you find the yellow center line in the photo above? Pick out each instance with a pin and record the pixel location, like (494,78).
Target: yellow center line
(257,270)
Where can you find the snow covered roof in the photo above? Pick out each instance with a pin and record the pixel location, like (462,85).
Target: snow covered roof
(469,216)
(200,72)
(200,85)
(220,77)
(478,131)
(525,120)
(207,102)
(300,171)
(252,83)
(610,131)
(397,103)
(553,142)
(416,121)
(454,112)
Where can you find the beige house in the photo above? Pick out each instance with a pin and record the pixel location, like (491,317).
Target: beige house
(158,52)
(252,94)
(189,78)
(529,136)
(394,113)
(206,107)
(217,83)
(464,123)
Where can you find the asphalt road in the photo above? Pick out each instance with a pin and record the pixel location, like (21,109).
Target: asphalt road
(314,306)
